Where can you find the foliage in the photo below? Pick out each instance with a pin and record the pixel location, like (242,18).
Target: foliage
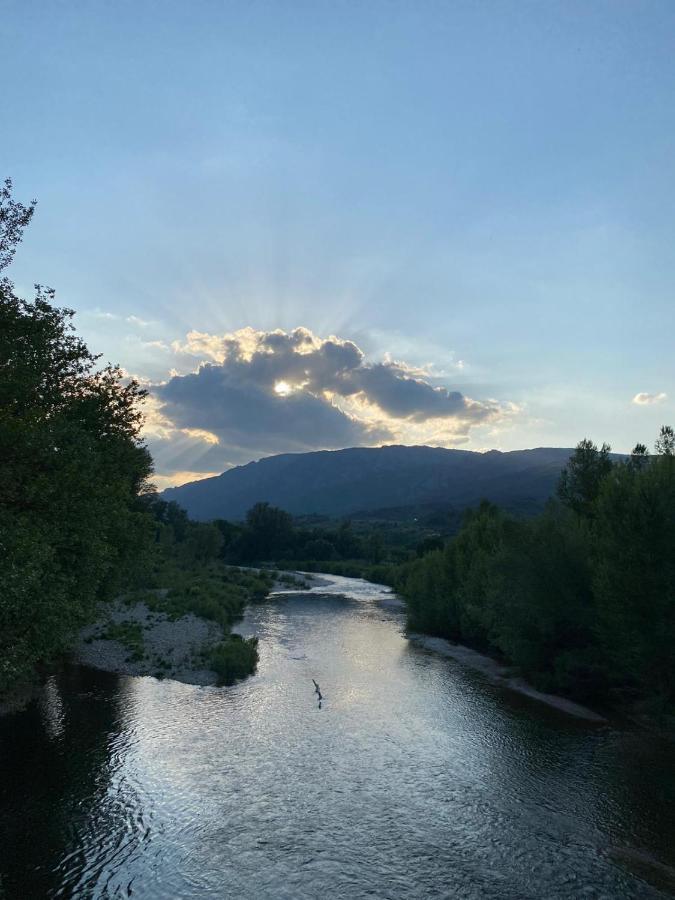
(634,575)
(213,592)
(267,534)
(234,658)
(581,480)
(187,575)
(581,598)
(73,469)
(320,544)
(14,217)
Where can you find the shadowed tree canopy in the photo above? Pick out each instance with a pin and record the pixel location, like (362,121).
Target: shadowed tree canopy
(14,217)
(580,481)
(72,470)
(268,533)
(581,597)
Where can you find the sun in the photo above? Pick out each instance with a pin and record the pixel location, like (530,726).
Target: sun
(283,388)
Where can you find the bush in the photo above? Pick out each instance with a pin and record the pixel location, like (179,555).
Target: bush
(234,658)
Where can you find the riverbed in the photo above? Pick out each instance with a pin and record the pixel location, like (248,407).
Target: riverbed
(414,776)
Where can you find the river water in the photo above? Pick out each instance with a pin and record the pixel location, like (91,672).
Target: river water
(415,778)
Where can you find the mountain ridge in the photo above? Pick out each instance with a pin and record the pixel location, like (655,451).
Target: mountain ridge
(357,479)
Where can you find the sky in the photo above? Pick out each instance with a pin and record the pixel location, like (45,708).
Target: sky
(316,225)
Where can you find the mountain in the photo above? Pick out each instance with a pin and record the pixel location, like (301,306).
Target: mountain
(362,479)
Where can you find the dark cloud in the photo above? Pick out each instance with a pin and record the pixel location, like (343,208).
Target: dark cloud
(403,396)
(271,392)
(240,410)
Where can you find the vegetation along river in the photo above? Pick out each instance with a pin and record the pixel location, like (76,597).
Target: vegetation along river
(415,778)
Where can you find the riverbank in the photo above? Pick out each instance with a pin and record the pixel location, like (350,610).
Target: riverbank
(502,675)
(496,672)
(144,638)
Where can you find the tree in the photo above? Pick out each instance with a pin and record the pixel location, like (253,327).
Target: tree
(375,547)
(73,470)
(473,552)
(268,532)
(429,585)
(638,457)
(319,549)
(429,544)
(203,542)
(635,573)
(665,443)
(347,543)
(14,217)
(540,601)
(581,480)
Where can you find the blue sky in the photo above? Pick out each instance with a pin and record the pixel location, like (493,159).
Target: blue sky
(478,196)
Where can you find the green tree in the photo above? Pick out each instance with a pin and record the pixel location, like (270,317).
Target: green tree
(268,532)
(638,456)
(375,547)
(665,443)
(73,527)
(319,549)
(581,480)
(428,545)
(540,601)
(203,542)
(635,574)
(430,588)
(14,217)
(347,543)
(581,597)
(474,552)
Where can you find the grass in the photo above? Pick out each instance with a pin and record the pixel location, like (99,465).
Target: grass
(210,591)
(215,592)
(129,634)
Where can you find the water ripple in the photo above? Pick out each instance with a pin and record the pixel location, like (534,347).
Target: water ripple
(416,779)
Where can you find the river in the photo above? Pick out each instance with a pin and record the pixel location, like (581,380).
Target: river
(414,778)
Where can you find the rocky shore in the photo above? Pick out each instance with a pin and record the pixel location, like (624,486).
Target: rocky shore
(134,640)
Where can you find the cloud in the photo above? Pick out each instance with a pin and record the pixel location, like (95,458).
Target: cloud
(256,393)
(102,314)
(644,399)
(134,339)
(162,482)
(116,317)
(401,395)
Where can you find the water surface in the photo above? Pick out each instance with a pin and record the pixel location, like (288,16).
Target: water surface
(416,778)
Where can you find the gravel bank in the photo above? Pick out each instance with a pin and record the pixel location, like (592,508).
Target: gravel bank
(171,648)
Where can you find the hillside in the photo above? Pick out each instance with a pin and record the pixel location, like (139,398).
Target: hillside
(345,482)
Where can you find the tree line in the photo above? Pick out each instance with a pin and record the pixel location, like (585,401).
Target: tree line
(270,536)
(580,598)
